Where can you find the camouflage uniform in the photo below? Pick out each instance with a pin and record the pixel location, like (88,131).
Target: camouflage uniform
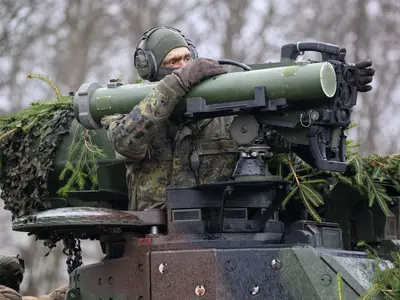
(11,271)
(11,275)
(161,154)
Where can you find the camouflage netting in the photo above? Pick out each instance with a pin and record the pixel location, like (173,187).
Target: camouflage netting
(28,142)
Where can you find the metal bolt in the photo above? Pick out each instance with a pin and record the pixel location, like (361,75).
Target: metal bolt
(251,226)
(154,229)
(99,280)
(276,264)
(72,295)
(314,115)
(254,289)
(110,280)
(200,290)
(140,267)
(162,268)
(326,279)
(230,265)
(244,129)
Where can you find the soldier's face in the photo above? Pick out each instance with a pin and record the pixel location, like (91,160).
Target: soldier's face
(177,58)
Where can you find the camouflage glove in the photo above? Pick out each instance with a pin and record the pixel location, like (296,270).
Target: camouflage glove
(8,294)
(11,271)
(365,72)
(198,70)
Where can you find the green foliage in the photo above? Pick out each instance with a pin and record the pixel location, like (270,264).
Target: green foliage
(386,277)
(48,80)
(372,175)
(25,119)
(28,143)
(303,185)
(81,165)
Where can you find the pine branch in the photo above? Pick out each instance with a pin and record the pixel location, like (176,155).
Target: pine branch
(81,165)
(48,80)
(303,188)
(386,278)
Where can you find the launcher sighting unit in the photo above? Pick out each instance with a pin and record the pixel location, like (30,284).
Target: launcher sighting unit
(224,240)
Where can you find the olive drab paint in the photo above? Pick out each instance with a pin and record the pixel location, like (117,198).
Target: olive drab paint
(226,240)
(300,82)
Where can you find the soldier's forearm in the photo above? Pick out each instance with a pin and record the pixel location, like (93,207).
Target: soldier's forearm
(131,134)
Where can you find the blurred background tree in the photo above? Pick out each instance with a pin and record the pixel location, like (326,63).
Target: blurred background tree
(76,41)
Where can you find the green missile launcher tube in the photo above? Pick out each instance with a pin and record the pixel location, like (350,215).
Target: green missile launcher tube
(297,82)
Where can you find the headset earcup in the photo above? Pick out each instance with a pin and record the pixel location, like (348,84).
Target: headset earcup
(145,64)
(192,48)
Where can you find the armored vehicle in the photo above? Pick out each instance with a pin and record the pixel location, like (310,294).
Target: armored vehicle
(238,239)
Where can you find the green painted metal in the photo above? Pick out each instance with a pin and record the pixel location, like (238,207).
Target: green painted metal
(297,82)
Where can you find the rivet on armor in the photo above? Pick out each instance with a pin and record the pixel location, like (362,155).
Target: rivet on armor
(230,265)
(200,290)
(140,267)
(110,280)
(254,289)
(162,268)
(276,264)
(326,279)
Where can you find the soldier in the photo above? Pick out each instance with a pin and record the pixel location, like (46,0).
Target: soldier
(11,275)
(160,152)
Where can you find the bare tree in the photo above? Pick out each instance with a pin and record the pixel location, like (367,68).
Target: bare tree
(368,30)
(242,30)
(77,41)
(72,42)
(21,29)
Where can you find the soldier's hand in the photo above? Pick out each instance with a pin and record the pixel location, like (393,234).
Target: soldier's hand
(7,293)
(57,294)
(366,73)
(198,70)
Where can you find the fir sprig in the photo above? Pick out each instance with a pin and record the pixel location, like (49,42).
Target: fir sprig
(303,186)
(48,80)
(386,277)
(372,175)
(81,165)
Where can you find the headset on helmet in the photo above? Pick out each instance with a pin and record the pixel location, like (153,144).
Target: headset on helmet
(144,60)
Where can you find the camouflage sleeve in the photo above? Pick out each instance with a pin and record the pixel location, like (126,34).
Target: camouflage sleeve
(130,134)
